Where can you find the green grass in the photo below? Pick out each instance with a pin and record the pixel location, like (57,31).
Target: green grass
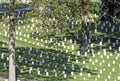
(35,55)
(1,80)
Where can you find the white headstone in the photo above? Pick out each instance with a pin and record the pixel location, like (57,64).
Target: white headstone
(104,52)
(119,48)
(74,77)
(100,71)
(2,56)
(72,47)
(96,60)
(73,67)
(113,44)
(113,69)
(110,47)
(89,74)
(108,64)
(6,79)
(70,40)
(108,40)
(118,77)
(78,52)
(108,57)
(47,73)
(21,71)
(98,75)
(100,64)
(72,73)
(117,41)
(100,44)
(93,63)
(109,77)
(80,73)
(38,72)
(55,74)
(103,61)
(65,75)
(77,61)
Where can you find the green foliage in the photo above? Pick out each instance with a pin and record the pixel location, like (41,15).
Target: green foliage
(57,13)
(33,13)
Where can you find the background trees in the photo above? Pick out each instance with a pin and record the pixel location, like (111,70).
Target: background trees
(63,16)
(110,9)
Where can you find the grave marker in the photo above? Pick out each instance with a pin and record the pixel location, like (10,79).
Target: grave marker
(38,72)
(110,47)
(98,76)
(65,75)
(72,47)
(109,65)
(55,74)
(73,67)
(113,44)
(74,77)
(47,73)
(101,44)
(72,73)
(78,52)
(21,71)
(104,52)
(2,56)
(103,61)
(80,73)
(109,77)
(100,71)
(89,74)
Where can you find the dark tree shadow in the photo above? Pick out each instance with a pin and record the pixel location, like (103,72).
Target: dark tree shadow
(51,60)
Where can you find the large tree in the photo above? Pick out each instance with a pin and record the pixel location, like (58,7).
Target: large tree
(109,9)
(65,13)
(12,69)
(84,11)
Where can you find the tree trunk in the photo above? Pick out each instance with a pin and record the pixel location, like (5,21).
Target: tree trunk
(84,34)
(84,27)
(12,69)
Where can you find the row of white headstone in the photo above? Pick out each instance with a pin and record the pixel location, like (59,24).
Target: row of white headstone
(72,73)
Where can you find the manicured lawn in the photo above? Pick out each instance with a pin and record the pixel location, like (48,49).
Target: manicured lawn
(98,66)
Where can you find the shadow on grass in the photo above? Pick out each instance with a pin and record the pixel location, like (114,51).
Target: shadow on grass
(5,6)
(20,10)
(48,60)
(112,34)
